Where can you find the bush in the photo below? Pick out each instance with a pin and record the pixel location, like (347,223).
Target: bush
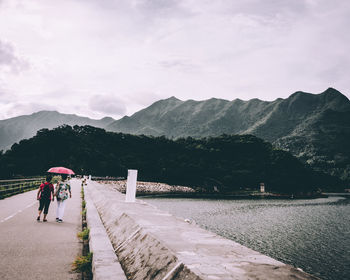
(84,235)
(82,263)
(55,179)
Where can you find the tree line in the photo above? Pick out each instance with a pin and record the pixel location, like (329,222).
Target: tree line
(228,162)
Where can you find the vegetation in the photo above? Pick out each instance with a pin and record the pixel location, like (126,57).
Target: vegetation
(56,179)
(313,127)
(229,162)
(82,264)
(84,235)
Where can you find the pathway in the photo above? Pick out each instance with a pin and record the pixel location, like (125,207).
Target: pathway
(32,250)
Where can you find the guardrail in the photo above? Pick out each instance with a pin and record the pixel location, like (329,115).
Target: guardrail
(16,186)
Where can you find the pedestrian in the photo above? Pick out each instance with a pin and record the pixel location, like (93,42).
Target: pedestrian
(62,190)
(44,195)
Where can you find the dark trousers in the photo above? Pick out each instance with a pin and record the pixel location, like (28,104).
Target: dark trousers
(44,204)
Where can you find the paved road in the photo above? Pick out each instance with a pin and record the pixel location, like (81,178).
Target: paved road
(32,250)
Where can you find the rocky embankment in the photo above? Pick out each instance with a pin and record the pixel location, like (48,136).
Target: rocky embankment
(149,188)
(162,189)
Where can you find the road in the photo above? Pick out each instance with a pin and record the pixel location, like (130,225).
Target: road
(38,250)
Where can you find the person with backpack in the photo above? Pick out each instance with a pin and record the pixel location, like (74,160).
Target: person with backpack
(44,195)
(62,190)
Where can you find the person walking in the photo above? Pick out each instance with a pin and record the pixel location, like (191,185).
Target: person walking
(62,190)
(44,195)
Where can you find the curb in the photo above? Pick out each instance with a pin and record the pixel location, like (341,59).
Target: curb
(105,264)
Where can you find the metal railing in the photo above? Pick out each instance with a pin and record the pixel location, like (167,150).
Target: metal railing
(16,186)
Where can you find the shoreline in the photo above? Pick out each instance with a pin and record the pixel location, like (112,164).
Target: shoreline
(162,190)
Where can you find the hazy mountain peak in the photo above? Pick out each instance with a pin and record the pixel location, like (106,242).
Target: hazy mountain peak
(172,98)
(107,119)
(331,90)
(45,112)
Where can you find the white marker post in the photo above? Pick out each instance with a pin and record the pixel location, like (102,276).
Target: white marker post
(131,186)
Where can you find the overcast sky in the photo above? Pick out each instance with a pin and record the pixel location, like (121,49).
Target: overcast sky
(101,58)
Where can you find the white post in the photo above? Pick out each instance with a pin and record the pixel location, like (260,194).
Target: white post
(131,186)
(89,177)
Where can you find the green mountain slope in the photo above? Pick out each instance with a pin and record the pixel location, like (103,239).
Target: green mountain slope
(314,127)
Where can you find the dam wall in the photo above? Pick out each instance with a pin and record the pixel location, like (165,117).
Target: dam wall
(153,244)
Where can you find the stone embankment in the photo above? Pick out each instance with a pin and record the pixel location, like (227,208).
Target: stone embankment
(152,244)
(149,188)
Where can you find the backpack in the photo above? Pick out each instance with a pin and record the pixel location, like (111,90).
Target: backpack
(62,193)
(45,193)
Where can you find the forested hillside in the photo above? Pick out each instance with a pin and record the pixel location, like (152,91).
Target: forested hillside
(313,127)
(230,162)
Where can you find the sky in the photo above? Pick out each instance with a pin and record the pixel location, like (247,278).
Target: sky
(100,58)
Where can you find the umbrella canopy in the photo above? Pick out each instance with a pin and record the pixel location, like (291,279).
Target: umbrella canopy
(60,170)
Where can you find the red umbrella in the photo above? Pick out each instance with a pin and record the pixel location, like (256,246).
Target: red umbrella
(60,170)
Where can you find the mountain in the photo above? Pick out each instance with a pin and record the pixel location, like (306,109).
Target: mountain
(15,129)
(314,127)
(270,120)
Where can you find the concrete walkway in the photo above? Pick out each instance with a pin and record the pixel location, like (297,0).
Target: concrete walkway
(32,250)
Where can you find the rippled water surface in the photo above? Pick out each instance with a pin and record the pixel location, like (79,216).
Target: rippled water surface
(311,234)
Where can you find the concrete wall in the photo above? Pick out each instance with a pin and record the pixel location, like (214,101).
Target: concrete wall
(151,244)
(105,264)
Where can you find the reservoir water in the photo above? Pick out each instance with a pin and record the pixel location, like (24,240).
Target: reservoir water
(310,234)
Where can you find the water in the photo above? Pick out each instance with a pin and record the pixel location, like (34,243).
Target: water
(311,234)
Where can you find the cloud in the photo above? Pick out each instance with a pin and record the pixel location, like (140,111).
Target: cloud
(107,104)
(9,59)
(13,109)
(146,50)
(142,8)
(7,56)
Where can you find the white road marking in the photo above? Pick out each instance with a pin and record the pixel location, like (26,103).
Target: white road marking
(19,211)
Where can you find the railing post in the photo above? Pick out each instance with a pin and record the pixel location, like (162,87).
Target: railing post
(131,186)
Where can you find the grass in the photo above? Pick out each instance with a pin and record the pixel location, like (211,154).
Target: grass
(82,264)
(84,235)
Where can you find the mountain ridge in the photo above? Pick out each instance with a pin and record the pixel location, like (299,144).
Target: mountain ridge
(303,124)
(301,118)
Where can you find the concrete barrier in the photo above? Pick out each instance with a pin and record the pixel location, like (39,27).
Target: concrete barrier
(105,264)
(151,244)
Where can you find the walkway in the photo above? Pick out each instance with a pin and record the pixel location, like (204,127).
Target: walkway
(32,250)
